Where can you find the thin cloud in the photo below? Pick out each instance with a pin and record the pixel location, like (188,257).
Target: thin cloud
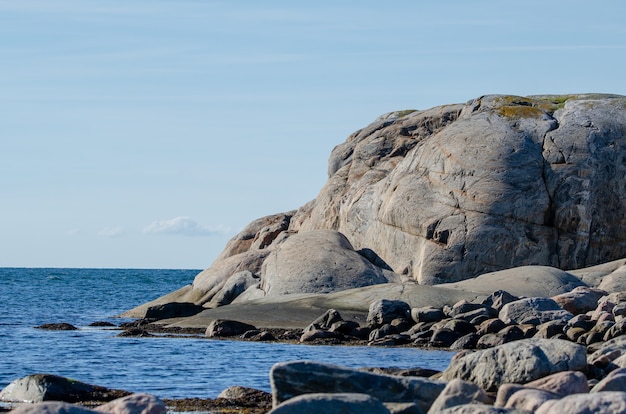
(183,226)
(111,232)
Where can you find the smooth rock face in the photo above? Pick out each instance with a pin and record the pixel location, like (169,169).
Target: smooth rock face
(517,362)
(339,403)
(447,194)
(320,261)
(46,387)
(533,310)
(596,403)
(290,379)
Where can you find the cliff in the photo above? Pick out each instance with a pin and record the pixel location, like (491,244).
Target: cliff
(443,195)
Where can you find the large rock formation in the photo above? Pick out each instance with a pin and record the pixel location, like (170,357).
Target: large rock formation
(444,195)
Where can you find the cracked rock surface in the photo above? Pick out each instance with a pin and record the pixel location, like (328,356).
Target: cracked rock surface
(447,194)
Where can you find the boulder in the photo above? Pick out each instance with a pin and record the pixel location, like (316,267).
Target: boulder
(384,311)
(319,261)
(563,383)
(325,321)
(580,300)
(337,403)
(608,351)
(47,387)
(173,310)
(498,299)
(598,403)
(52,407)
(233,287)
(427,314)
(458,392)
(614,381)
(517,362)
(535,311)
(290,379)
(134,404)
(481,409)
(530,399)
(226,328)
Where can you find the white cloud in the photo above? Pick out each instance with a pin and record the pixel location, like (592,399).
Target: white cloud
(183,226)
(111,232)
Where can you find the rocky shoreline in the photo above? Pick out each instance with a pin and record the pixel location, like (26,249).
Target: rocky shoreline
(516,354)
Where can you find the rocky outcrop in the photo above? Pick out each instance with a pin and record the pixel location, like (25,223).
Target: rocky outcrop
(444,195)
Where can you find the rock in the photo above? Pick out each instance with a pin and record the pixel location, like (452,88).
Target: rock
(46,387)
(563,383)
(325,321)
(580,300)
(238,392)
(427,314)
(226,328)
(52,407)
(550,329)
(517,362)
(234,286)
(384,311)
(530,399)
(534,311)
(481,409)
(451,193)
(316,334)
(318,261)
(458,392)
(134,404)
(505,335)
(523,281)
(444,338)
(608,351)
(57,327)
(597,403)
(498,299)
(289,379)
(614,381)
(468,341)
(492,325)
(173,310)
(337,403)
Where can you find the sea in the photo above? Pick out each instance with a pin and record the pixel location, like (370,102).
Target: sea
(183,367)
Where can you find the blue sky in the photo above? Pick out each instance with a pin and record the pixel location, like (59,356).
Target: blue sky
(146,133)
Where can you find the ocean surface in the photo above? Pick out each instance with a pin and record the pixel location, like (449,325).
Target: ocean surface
(166,367)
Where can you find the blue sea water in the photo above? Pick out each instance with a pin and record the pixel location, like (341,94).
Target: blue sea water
(166,367)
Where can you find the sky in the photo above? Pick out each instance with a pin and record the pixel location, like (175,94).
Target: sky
(147,133)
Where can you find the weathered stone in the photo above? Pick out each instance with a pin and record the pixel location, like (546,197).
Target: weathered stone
(289,379)
(609,402)
(517,362)
(173,310)
(614,381)
(134,404)
(608,351)
(52,407)
(46,387)
(318,261)
(458,392)
(315,334)
(492,325)
(530,399)
(427,314)
(534,311)
(481,409)
(498,299)
(325,321)
(505,335)
(226,328)
(580,300)
(563,383)
(63,326)
(550,329)
(237,392)
(444,338)
(468,341)
(234,286)
(384,311)
(336,403)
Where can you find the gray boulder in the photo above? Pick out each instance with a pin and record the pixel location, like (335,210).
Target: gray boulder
(580,300)
(225,328)
(290,379)
(517,362)
(173,310)
(535,311)
(615,381)
(320,261)
(458,392)
(610,402)
(52,407)
(384,311)
(47,387)
(338,403)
